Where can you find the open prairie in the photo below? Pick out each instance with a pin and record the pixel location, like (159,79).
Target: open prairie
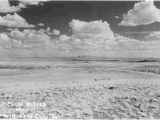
(80,59)
(80,89)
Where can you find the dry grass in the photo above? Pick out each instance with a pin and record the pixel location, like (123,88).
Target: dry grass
(98,102)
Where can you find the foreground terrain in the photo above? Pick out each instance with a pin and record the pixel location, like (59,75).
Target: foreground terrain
(80,89)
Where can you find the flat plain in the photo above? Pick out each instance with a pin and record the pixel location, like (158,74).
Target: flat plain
(80,89)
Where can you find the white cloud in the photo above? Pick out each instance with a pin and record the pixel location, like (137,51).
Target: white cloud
(92,28)
(64,38)
(37,43)
(94,34)
(117,17)
(154,36)
(14,20)
(32,2)
(56,32)
(94,38)
(4,40)
(7,43)
(30,38)
(41,24)
(143,13)
(52,32)
(6,8)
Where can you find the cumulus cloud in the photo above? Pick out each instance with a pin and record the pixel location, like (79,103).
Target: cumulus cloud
(14,20)
(41,24)
(56,32)
(30,38)
(92,38)
(35,43)
(64,37)
(26,43)
(154,36)
(6,8)
(4,40)
(83,41)
(95,38)
(32,2)
(92,28)
(91,34)
(143,13)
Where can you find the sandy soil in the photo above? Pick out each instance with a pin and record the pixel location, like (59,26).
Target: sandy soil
(98,90)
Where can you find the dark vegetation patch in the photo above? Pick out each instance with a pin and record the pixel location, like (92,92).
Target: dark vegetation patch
(148,68)
(24,67)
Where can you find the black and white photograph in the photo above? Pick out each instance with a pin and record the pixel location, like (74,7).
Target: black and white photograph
(80,59)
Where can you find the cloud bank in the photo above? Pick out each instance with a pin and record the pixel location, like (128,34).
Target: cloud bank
(14,20)
(88,38)
(143,13)
(6,8)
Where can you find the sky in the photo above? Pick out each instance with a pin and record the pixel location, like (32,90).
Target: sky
(45,28)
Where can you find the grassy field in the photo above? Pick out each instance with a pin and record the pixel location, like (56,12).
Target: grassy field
(85,90)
